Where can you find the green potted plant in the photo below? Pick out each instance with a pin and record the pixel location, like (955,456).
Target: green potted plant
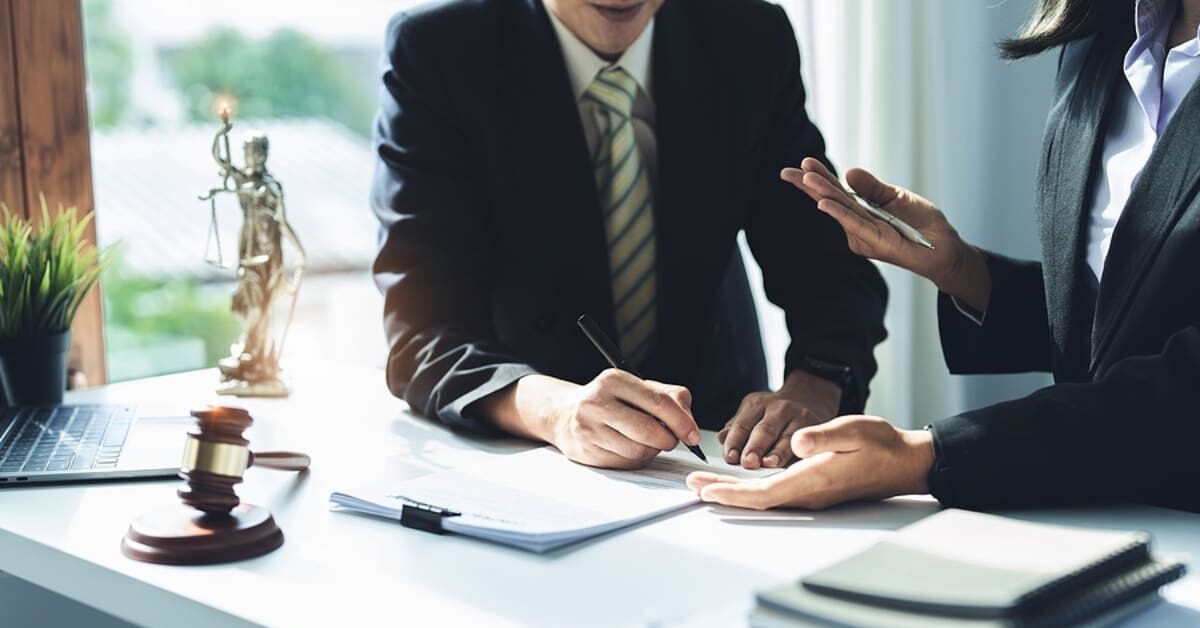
(45,272)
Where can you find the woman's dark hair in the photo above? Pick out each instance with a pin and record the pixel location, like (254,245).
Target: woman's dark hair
(1058,22)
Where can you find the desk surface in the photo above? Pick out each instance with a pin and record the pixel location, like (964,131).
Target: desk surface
(698,567)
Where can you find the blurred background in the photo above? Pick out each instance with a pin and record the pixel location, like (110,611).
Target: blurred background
(912,89)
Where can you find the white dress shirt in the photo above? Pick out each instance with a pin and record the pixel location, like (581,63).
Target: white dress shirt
(582,67)
(1158,81)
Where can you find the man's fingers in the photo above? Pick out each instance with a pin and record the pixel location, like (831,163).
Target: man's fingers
(839,435)
(765,434)
(737,430)
(609,438)
(681,395)
(600,456)
(735,439)
(657,400)
(871,188)
(781,454)
(640,428)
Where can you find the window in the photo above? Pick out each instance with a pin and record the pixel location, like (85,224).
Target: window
(303,74)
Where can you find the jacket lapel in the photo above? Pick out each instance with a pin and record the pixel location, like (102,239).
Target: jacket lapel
(1166,187)
(691,122)
(555,211)
(1071,158)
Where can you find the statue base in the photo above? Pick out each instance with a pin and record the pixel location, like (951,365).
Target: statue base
(274,387)
(244,376)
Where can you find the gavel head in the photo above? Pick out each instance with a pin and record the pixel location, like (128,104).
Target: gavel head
(214,458)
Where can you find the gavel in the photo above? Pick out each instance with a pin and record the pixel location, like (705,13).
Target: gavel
(212,525)
(216,455)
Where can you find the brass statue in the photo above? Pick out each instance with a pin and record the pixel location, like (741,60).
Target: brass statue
(252,368)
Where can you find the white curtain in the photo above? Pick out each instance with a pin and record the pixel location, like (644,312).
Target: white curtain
(915,91)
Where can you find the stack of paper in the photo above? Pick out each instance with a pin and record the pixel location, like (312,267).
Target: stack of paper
(538,500)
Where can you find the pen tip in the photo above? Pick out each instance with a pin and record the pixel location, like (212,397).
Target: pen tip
(699,453)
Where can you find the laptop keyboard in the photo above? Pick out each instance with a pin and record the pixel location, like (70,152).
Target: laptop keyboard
(64,438)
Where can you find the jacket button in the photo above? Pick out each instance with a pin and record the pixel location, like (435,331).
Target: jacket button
(544,323)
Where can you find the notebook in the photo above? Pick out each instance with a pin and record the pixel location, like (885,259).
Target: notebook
(960,567)
(536,500)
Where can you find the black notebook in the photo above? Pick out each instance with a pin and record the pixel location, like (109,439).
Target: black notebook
(971,567)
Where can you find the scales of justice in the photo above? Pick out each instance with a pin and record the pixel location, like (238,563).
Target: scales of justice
(252,368)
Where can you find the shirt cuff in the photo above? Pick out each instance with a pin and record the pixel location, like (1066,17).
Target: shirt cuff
(968,311)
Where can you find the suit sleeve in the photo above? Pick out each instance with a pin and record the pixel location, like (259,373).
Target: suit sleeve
(1130,434)
(432,265)
(1015,334)
(834,300)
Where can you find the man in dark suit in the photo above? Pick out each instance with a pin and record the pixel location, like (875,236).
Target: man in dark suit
(540,160)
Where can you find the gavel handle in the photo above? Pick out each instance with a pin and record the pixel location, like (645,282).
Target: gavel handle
(280,460)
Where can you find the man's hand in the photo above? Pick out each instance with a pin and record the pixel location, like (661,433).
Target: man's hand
(615,421)
(760,433)
(849,458)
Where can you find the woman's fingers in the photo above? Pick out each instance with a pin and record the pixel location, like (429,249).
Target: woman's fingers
(903,204)
(871,188)
(841,435)
(757,494)
(828,188)
(859,229)
(700,479)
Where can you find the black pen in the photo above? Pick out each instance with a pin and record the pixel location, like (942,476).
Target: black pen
(612,354)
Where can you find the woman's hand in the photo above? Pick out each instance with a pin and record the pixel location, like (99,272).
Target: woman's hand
(849,458)
(954,266)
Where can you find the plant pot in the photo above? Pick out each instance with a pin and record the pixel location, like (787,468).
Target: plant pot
(33,370)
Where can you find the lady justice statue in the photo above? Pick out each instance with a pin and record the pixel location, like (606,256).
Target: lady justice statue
(252,368)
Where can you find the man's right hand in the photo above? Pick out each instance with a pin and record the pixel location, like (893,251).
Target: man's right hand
(616,421)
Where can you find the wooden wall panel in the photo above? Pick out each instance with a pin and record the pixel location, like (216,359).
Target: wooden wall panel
(12,169)
(52,100)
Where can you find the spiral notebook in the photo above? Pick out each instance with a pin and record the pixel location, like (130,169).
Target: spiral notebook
(983,569)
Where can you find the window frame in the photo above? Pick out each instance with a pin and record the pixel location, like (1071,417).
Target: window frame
(45,144)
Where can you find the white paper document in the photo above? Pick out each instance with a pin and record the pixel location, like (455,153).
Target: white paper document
(539,500)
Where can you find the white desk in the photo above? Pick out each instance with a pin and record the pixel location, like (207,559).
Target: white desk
(692,568)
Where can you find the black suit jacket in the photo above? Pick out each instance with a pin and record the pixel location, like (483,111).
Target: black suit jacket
(492,239)
(1123,418)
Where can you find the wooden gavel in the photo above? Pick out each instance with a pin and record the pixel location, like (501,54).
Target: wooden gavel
(216,455)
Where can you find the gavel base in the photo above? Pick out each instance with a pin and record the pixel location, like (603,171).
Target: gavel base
(179,535)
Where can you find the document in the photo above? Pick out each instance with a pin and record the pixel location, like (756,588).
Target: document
(539,500)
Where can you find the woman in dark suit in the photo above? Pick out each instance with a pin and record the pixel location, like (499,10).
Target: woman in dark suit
(1113,310)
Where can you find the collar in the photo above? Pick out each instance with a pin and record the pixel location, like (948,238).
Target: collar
(1152,20)
(1150,15)
(583,64)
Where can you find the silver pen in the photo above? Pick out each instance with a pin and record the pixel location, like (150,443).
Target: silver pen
(905,229)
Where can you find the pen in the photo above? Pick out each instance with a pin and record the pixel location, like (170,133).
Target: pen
(612,355)
(904,228)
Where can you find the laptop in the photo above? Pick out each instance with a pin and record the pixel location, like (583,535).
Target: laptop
(74,443)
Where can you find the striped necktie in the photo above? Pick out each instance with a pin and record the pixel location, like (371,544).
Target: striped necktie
(626,200)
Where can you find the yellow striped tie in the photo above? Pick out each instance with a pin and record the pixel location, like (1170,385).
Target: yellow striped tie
(625,198)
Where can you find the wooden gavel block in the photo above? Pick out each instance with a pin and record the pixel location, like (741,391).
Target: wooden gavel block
(215,526)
